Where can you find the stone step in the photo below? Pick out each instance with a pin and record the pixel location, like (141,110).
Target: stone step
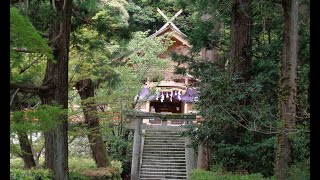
(164,137)
(156,141)
(161,148)
(163,158)
(152,169)
(162,141)
(163,144)
(166,155)
(159,143)
(164,173)
(155,132)
(161,177)
(159,166)
(162,132)
(165,152)
(152,163)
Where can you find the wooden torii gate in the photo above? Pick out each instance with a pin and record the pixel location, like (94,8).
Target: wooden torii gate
(135,123)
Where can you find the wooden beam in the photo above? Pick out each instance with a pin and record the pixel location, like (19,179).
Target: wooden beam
(163,15)
(176,15)
(148,115)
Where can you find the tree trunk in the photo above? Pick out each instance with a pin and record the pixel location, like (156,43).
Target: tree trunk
(241,26)
(54,89)
(25,146)
(86,91)
(203,157)
(288,87)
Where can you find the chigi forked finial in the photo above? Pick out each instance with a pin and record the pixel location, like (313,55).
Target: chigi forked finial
(166,17)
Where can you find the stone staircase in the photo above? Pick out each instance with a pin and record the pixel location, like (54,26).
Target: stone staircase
(163,156)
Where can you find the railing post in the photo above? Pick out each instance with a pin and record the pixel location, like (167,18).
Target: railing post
(136,151)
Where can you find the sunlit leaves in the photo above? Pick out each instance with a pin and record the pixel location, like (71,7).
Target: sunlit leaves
(43,118)
(24,36)
(113,16)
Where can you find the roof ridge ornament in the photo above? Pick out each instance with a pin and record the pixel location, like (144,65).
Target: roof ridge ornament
(166,17)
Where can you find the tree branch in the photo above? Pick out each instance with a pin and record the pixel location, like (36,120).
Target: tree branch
(83,20)
(22,50)
(13,96)
(27,67)
(60,33)
(39,154)
(25,88)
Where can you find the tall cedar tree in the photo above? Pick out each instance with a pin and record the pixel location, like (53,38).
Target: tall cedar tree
(240,46)
(240,59)
(288,87)
(85,89)
(54,88)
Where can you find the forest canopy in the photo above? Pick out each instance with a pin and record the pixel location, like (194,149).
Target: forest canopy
(77,67)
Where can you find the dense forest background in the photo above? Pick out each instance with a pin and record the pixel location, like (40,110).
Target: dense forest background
(73,57)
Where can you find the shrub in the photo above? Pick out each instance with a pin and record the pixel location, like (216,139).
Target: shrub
(85,168)
(300,170)
(202,175)
(79,165)
(253,158)
(16,163)
(30,174)
(77,176)
(117,165)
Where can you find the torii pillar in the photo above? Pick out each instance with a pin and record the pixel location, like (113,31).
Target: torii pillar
(135,164)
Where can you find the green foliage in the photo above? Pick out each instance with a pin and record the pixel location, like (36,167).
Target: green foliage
(89,59)
(42,118)
(24,35)
(119,142)
(300,147)
(79,165)
(142,62)
(113,14)
(117,165)
(256,157)
(40,13)
(202,175)
(231,123)
(77,176)
(236,112)
(17,174)
(14,151)
(16,163)
(300,170)
(144,15)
